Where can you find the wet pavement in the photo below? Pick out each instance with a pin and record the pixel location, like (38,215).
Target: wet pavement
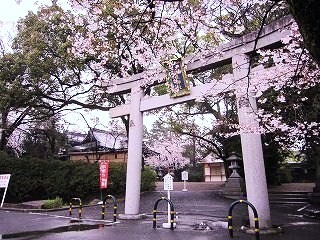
(200,214)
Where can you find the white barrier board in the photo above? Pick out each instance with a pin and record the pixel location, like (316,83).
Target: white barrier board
(4,182)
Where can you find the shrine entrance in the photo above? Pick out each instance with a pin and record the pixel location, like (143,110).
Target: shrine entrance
(237,53)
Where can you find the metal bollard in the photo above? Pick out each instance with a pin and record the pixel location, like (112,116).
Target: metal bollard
(103,207)
(256,219)
(171,213)
(80,207)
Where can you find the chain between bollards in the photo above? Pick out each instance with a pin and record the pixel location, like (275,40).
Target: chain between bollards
(256,219)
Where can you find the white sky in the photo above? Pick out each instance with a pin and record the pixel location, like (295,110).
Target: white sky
(10,11)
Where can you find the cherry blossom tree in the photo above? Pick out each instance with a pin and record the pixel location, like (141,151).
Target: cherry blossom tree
(128,37)
(168,148)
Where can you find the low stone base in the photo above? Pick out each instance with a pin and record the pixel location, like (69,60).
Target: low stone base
(168,225)
(267,231)
(234,195)
(234,188)
(131,216)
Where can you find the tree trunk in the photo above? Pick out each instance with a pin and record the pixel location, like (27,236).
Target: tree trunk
(3,141)
(317,161)
(3,131)
(316,156)
(307,15)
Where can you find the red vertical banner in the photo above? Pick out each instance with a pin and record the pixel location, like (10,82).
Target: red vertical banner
(104,168)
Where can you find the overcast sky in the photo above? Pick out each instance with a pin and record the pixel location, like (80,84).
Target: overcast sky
(10,12)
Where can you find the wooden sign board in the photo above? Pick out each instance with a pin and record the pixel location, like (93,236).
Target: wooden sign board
(168,182)
(184,176)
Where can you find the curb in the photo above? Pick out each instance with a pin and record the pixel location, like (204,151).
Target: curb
(44,210)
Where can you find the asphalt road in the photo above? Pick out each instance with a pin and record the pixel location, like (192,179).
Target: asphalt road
(200,215)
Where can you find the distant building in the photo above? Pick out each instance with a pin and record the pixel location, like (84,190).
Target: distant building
(75,138)
(98,145)
(213,169)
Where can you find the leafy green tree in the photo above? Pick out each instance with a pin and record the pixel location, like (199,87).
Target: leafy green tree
(53,71)
(44,141)
(19,103)
(42,76)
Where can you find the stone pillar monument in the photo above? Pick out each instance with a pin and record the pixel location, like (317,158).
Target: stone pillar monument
(256,183)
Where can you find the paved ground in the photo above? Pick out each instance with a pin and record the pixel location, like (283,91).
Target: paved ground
(201,215)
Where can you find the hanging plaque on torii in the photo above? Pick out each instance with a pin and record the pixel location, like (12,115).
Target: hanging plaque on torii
(177,81)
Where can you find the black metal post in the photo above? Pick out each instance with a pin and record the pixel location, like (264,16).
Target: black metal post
(114,207)
(171,213)
(256,219)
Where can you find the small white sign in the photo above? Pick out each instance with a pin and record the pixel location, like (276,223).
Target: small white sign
(168,182)
(184,176)
(4,180)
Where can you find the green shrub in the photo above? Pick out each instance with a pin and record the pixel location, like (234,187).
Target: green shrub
(84,181)
(53,203)
(148,180)
(117,179)
(34,179)
(285,174)
(195,174)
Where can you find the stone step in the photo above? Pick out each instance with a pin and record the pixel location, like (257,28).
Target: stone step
(288,202)
(289,197)
(288,193)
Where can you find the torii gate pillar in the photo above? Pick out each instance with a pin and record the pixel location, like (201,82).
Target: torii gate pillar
(132,200)
(256,184)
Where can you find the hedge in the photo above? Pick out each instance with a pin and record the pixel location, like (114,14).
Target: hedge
(148,179)
(34,179)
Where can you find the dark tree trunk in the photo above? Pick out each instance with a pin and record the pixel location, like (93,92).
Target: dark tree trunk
(3,132)
(307,15)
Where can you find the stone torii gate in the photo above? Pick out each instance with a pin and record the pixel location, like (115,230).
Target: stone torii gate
(236,52)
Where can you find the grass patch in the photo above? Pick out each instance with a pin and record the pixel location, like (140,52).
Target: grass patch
(53,203)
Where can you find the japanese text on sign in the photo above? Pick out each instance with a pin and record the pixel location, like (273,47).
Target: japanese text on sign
(168,182)
(4,180)
(184,176)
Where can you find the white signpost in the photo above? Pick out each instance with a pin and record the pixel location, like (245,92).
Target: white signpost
(184,177)
(168,186)
(4,182)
